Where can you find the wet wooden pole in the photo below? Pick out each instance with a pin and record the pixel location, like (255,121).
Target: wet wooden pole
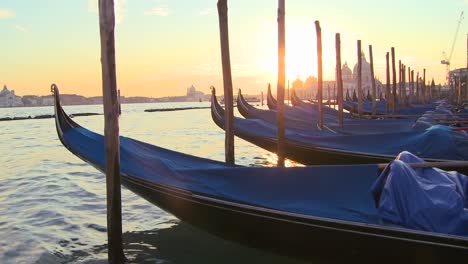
(359,77)
(387,90)
(227,82)
(424,87)
(319,73)
(262,98)
(281,82)
(403,87)
(374,91)
(418,96)
(400,79)
(410,88)
(111,131)
(339,78)
(394,81)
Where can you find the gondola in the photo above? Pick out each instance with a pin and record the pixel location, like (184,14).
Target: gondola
(304,212)
(437,143)
(271,101)
(304,117)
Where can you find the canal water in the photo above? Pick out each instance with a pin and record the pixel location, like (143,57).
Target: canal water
(53,205)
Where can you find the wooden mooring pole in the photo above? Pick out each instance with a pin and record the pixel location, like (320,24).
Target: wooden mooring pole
(387,90)
(374,91)
(410,88)
(418,92)
(394,90)
(400,82)
(339,78)
(424,90)
(227,82)
(319,73)
(111,131)
(281,82)
(359,78)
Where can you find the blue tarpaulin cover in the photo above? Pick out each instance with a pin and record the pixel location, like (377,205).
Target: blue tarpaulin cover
(427,199)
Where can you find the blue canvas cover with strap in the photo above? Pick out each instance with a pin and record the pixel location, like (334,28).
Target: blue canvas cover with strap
(427,199)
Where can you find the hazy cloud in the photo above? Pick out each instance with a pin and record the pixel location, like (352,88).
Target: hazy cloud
(162,10)
(7,13)
(119,6)
(207,11)
(21,28)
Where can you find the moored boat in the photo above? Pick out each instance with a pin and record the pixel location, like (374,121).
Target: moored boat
(303,212)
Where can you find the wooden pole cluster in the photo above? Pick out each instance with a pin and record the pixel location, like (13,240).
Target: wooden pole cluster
(111,131)
(359,78)
(319,67)
(281,82)
(339,78)
(374,91)
(227,82)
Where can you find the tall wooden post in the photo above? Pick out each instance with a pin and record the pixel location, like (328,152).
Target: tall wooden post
(418,92)
(262,98)
(289,98)
(227,82)
(111,131)
(389,101)
(281,81)
(403,85)
(424,87)
(359,80)
(410,88)
(394,81)
(320,76)
(374,91)
(400,79)
(339,78)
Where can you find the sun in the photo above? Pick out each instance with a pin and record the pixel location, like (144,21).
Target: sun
(301,53)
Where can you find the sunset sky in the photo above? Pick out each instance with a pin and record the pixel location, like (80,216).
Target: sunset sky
(165,46)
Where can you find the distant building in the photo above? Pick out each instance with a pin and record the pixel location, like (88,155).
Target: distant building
(194,95)
(9,99)
(350,78)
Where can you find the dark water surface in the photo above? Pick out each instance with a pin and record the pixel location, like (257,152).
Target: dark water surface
(53,205)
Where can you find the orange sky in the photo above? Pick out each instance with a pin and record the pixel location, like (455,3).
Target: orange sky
(163,47)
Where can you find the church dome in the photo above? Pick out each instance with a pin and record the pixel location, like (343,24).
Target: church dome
(365,73)
(346,72)
(365,67)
